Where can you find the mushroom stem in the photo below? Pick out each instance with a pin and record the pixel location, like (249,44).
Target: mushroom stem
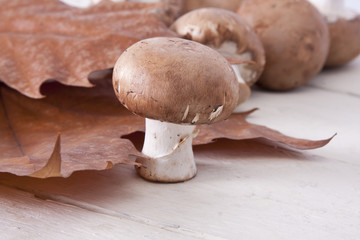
(333,9)
(169,146)
(244,90)
(229,49)
(237,73)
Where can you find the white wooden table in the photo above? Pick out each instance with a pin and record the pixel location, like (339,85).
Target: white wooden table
(243,190)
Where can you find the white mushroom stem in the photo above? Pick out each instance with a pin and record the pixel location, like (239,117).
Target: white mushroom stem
(333,9)
(170,148)
(244,90)
(229,49)
(236,69)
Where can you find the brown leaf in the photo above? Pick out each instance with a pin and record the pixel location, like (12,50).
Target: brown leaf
(237,128)
(46,39)
(91,123)
(239,61)
(53,165)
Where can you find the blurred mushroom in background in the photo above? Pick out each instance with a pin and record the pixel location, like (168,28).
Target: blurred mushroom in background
(344,28)
(295,37)
(231,36)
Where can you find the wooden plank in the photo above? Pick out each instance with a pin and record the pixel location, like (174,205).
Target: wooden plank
(25,217)
(345,79)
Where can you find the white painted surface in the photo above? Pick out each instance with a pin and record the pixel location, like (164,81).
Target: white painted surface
(353,4)
(26,217)
(334,9)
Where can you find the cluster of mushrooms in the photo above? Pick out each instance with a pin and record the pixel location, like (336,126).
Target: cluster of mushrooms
(222,49)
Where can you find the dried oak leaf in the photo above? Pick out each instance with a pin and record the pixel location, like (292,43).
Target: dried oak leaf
(46,39)
(91,122)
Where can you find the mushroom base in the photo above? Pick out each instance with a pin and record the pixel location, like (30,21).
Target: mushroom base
(169,147)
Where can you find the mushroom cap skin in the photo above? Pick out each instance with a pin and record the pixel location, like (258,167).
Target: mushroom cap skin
(344,41)
(295,37)
(175,80)
(213,27)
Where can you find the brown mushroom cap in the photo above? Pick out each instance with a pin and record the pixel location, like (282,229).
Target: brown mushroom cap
(295,37)
(344,41)
(213,27)
(175,80)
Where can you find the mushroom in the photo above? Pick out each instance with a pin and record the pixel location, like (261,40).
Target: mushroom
(230,35)
(175,84)
(295,37)
(344,27)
